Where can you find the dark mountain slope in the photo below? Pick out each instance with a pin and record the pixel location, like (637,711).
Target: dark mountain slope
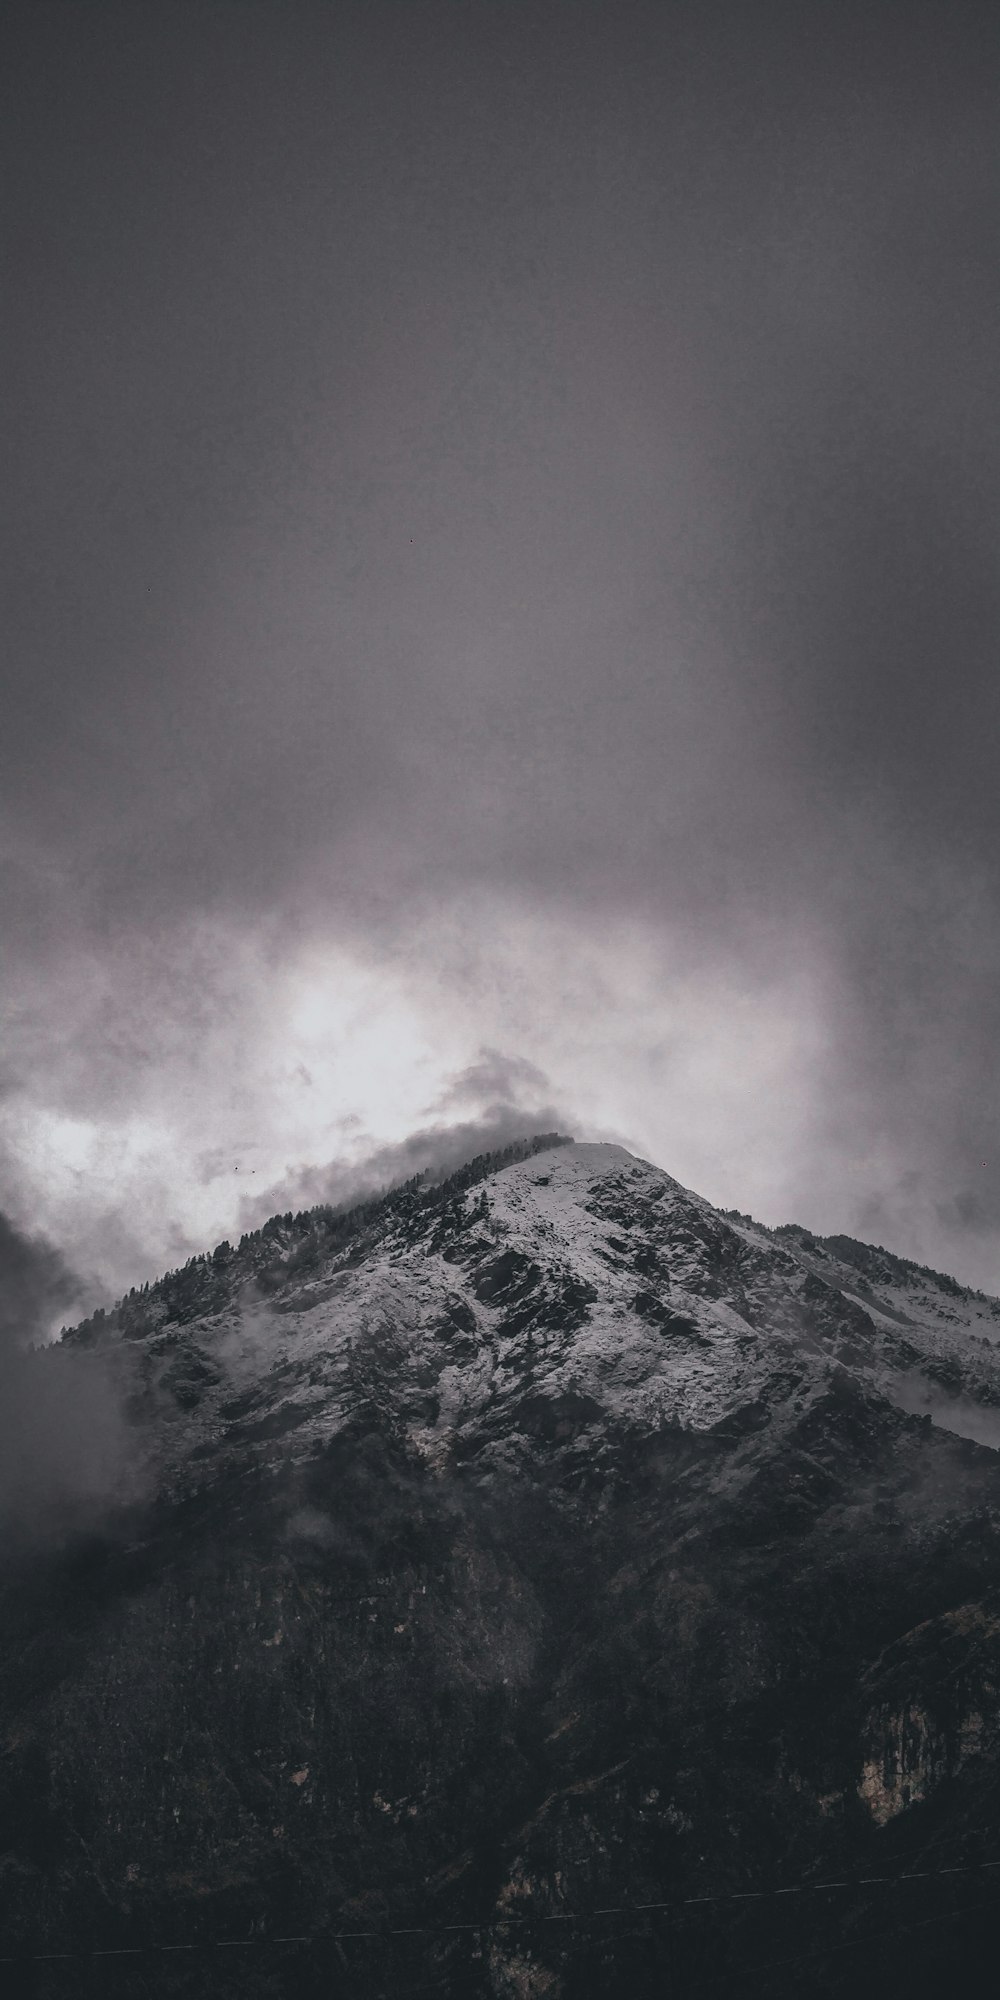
(539,1547)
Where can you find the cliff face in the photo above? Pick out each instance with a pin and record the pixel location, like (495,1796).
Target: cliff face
(516,1552)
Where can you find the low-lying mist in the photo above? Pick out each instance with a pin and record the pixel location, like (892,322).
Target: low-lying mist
(67,1448)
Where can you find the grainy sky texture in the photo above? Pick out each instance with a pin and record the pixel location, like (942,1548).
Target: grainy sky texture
(501,578)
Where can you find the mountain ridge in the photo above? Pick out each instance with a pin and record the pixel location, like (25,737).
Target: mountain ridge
(532,1545)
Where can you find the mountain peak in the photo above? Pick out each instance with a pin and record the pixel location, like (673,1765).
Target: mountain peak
(538,1542)
(567,1270)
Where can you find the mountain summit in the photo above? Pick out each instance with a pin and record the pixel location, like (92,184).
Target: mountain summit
(544,1583)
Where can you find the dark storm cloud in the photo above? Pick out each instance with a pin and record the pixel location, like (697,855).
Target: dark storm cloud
(550,450)
(64,1445)
(36,1285)
(435,1150)
(502,1081)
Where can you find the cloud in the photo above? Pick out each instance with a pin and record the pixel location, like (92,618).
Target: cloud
(494,1078)
(36,1286)
(969,1210)
(433,1150)
(471,558)
(65,1446)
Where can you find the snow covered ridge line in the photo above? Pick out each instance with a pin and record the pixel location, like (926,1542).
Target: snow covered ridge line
(592,1274)
(873,1259)
(289,1244)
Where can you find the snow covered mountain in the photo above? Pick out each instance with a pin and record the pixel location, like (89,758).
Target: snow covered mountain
(540,1544)
(565,1296)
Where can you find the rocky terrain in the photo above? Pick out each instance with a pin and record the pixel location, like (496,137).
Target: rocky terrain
(533,1587)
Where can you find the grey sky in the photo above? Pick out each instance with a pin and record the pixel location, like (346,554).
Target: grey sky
(501,553)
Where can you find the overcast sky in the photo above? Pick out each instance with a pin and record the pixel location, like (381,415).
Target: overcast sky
(501,577)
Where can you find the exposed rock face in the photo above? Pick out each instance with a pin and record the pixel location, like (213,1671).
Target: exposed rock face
(544,1545)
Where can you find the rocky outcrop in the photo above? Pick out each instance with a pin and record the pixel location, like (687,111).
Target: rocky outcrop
(936,1707)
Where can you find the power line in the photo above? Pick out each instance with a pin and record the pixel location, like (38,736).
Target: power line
(826,1951)
(501,1923)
